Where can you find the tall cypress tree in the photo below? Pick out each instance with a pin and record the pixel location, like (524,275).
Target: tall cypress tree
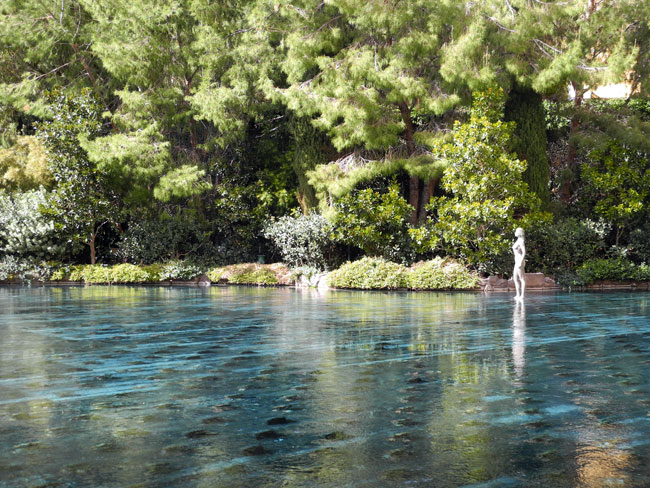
(524,107)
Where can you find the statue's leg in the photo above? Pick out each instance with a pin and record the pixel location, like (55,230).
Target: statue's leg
(515,278)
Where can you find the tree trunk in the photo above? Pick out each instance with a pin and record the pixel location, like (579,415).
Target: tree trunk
(565,190)
(575,121)
(414,198)
(429,189)
(93,235)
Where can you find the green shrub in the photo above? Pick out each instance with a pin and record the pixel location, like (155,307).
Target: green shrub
(302,240)
(95,273)
(618,269)
(254,277)
(76,273)
(439,274)
(59,274)
(639,244)
(618,181)
(369,273)
(215,274)
(128,273)
(556,247)
(375,222)
(153,271)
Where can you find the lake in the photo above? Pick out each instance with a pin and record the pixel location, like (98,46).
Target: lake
(255,387)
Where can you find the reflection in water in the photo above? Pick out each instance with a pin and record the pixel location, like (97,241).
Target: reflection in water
(519,338)
(119,386)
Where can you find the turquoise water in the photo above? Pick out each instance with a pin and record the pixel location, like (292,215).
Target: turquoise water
(247,387)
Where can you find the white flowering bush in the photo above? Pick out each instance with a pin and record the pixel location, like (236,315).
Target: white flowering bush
(301,240)
(24,231)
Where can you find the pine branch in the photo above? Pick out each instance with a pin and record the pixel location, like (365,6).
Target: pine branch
(500,25)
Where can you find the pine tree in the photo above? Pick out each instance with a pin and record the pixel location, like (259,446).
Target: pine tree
(524,107)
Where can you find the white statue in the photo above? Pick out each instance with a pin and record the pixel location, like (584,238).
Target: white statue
(519,249)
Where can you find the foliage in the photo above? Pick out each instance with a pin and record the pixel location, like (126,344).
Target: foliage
(26,232)
(555,247)
(81,201)
(618,269)
(152,238)
(302,240)
(331,182)
(214,275)
(525,108)
(12,267)
(94,273)
(375,222)
(23,166)
(639,244)
(477,220)
(439,274)
(376,273)
(369,273)
(179,270)
(618,182)
(546,45)
(192,102)
(127,273)
(254,277)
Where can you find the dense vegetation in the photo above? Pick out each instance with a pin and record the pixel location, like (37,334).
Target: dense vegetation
(188,135)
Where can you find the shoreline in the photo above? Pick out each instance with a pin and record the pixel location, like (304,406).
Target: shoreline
(503,286)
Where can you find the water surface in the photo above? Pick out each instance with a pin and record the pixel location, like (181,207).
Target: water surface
(194,387)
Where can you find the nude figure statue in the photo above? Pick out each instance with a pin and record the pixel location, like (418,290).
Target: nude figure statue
(519,249)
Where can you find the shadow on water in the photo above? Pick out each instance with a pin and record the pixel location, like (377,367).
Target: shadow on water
(128,386)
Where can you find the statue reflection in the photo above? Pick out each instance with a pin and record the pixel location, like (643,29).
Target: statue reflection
(519,338)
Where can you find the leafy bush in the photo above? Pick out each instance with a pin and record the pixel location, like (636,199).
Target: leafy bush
(301,240)
(119,273)
(128,273)
(92,273)
(618,181)
(369,273)
(24,269)
(215,274)
(26,232)
(441,273)
(165,236)
(639,244)
(154,271)
(375,222)
(612,269)
(555,247)
(254,277)
(179,270)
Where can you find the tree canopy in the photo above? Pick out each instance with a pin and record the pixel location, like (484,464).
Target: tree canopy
(204,109)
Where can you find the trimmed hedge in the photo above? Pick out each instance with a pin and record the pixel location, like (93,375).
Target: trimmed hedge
(251,274)
(377,273)
(440,274)
(119,273)
(369,274)
(618,269)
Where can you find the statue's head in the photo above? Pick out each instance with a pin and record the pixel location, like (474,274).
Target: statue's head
(519,232)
